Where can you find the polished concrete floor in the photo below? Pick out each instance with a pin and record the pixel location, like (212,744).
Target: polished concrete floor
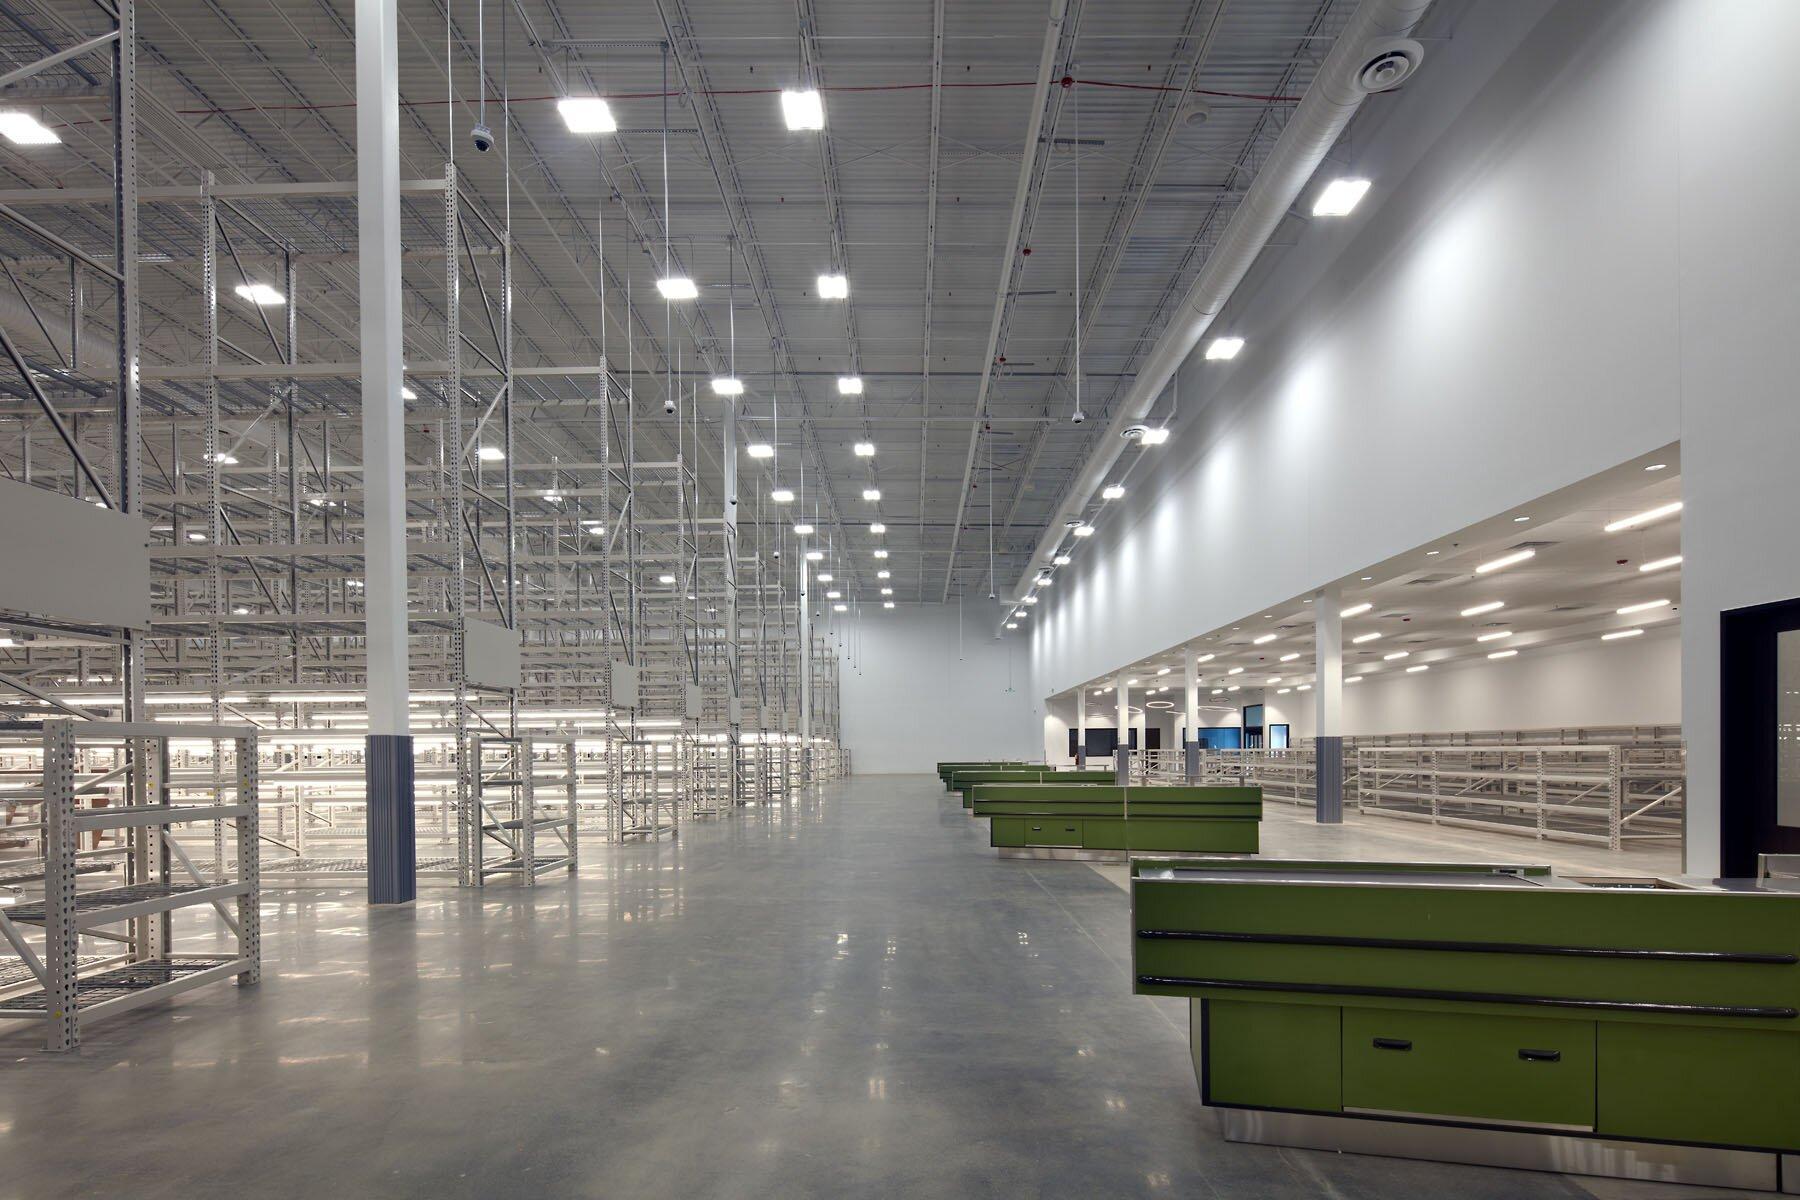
(845,996)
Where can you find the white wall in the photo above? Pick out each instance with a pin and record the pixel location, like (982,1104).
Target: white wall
(914,693)
(1581,246)
(1596,683)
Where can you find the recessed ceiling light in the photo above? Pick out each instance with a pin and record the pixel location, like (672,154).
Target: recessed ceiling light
(865,449)
(1674,560)
(802,528)
(1396,654)
(850,385)
(1417,669)
(1084,531)
(1620,633)
(1339,197)
(782,496)
(1646,606)
(728,385)
(802,109)
(1490,606)
(760,450)
(23,129)
(1355,610)
(834,287)
(1360,638)
(490,454)
(587,114)
(1505,560)
(1224,348)
(1503,654)
(1645,517)
(1061,560)
(677,287)
(1113,491)
(1263,640)
(260,294)
(1495,636)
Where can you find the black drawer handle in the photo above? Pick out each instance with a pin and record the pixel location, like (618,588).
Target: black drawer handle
(1393,1044)
(1541,1055)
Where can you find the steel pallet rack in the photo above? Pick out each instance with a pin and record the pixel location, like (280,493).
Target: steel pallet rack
(512,810)
(64,989)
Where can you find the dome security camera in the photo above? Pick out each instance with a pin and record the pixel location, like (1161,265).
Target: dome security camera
(1078,416)
(669,406)
(483,137)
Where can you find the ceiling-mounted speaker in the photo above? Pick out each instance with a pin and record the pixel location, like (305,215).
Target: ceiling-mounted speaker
(1388,64)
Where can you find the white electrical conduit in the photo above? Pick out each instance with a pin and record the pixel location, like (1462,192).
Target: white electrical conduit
(1337,91)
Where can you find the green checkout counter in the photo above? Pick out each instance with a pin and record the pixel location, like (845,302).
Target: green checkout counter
(946,769)
(962,778)
(1058,820)
(1487,1013)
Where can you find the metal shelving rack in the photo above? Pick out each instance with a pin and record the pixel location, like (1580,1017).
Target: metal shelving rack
(515,821)
(64,989)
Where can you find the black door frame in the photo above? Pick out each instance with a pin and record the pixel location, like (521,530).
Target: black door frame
(1747,736)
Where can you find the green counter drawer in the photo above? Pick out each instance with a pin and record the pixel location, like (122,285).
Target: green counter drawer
(1006,831)
(1732,1087)
(1052,831)
(1514,1070)
(1218,837)
(1271,1055)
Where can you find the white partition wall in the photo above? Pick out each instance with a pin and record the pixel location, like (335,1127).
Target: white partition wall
(921,685)
(1579,248)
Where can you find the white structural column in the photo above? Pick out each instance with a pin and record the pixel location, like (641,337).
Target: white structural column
(734,705)
(1123,759)
(388,764)
(1328,699)
(1081,727)
(806,696)
(1190,734)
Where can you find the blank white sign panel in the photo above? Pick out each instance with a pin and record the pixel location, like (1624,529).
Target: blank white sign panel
(71,560)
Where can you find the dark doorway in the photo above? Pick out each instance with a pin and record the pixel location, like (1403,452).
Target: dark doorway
(1759,734)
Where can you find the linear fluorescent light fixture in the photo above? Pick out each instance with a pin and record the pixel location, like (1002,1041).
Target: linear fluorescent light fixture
(871,494)
(1290,657)
(840,608)
(1490,606)
(677,287)
(825,576)
(490,454)
(1205,658)
(1355,610)
(1645,517)
(587,114)
(1235,671)
(1258,641)
(1661,564)
(1113,491)
(260,294)
(665,579)
(782,496)
(834,287)
(865,449)
(1417,669)
(1503,654)
(815,556)
(834,595)
(1495,636)
(1504,561)
(1273,679)
(850,385)
(728,385)
(23,129)
(1353,679)
(1360,638)
(760,450)
(1224,348)
(1084,530)
(1340,197)
(1646,606)
(1616,634)
(1396,655)
(802,528)
(802,109)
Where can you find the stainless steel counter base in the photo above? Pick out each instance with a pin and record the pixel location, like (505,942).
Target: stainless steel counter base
(1696,1165)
